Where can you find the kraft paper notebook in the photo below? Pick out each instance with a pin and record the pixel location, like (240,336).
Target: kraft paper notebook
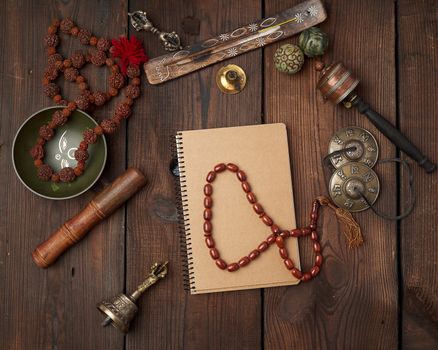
(262,152)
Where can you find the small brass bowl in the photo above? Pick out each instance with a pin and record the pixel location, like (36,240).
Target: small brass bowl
(59,153)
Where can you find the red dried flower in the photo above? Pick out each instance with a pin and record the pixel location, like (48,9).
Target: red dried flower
(129,51)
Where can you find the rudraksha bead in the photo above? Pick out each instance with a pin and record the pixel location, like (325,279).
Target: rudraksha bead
(54,58)
(77,59)
(83,102)
(46,132)
(51,40)
(51,90)
(90,136)
(123,110)
(98,57)
(67,174)
(81,155)
(51,73)
(84,36)
(108,126)
(37,152)
(132,91)
(71,74)
(116,80)
(132,71)
(99,98)
(103,44)
(45,172)
(59,118)
(66,25)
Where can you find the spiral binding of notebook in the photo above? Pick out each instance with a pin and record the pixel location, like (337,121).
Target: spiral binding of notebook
(183,221)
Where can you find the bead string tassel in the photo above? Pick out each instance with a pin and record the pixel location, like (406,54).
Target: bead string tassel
(353,234)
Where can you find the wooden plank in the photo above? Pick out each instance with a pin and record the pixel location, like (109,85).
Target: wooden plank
(170,317)
(52,308)
(418,34)
(353,302)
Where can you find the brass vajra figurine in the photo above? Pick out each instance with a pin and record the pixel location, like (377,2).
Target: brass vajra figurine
(140,22)
(121,309)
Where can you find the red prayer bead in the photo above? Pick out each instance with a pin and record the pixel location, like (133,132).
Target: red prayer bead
(295,233)
(209,242)
(283,253)
(280,242)
(208,190)
(314,271)
(208,214)
(233,267)
(251,197)
(246,186)
(267,220)
(220,167)
(296,273)
(211,176)
(271,239)
(241,175)
(232,167)
(306,277)
(214,253)
(263,246)
(258,208)
(288,263)
(221,264)
(254,254)
(208,202)
(244,261)
(316,247)
(318,260)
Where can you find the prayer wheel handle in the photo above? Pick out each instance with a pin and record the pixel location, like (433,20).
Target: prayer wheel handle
(337,84)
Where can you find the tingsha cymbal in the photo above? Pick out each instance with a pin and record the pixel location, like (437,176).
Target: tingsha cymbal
(354,187)
(361,143)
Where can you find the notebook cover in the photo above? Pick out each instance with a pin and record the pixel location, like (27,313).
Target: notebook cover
(262,152)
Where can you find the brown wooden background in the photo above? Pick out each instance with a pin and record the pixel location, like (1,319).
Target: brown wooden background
(383,295)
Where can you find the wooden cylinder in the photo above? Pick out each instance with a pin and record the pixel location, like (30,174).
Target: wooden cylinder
(103,205)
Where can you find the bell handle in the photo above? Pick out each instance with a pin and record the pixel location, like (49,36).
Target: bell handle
(394,135)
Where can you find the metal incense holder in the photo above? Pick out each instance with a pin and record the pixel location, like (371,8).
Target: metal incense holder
(121,309)
(337,84)
(231,79)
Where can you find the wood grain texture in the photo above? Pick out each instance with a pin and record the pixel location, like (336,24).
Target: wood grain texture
(171,317)
(353,302)
(55,308)
(418,26)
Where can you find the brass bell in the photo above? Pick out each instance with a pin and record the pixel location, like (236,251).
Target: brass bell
(121,309)
(231,79)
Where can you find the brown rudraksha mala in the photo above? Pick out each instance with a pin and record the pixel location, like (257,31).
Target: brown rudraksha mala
(278,236)
(126,53)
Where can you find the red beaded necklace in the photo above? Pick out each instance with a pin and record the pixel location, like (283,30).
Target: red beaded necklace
(87,100)
(278,235)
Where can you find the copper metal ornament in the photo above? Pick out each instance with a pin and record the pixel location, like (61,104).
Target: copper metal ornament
(336,82)
(367,150)
(121,309)
(231,79)
(350,183)
(140,22)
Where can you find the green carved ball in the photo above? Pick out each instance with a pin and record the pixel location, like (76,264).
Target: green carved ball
(289,59)
(313,42)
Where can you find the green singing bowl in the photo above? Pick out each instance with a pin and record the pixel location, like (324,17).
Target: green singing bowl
(59,153)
